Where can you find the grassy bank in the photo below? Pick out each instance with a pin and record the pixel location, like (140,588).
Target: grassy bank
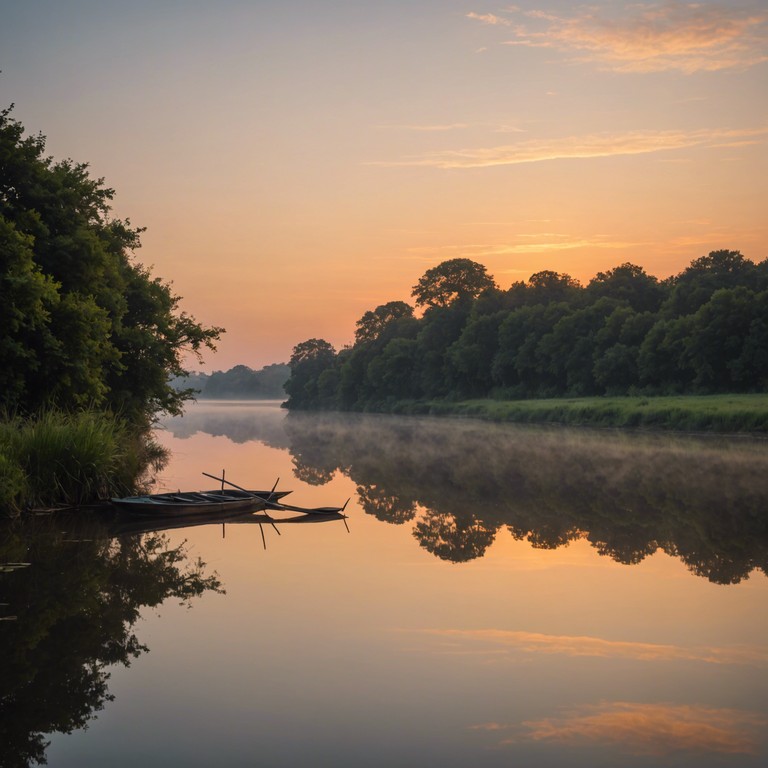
(711,413)
(59,458)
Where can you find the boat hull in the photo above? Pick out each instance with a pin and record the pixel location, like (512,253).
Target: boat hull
(197,503)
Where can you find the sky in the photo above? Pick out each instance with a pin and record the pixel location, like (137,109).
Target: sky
(299,162)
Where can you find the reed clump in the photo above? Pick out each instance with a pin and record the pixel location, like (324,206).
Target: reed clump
(63,458)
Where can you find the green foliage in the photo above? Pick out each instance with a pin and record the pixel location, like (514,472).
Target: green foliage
(71,458)
(310,359)
(373,323)
(705,413)
(703,331)
(82,323)
(472,354)
(629,284)
(452,280)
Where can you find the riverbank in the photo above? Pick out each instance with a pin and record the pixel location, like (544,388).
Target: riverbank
(69,459)
(694,413)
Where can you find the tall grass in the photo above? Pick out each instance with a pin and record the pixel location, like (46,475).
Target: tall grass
(59,458)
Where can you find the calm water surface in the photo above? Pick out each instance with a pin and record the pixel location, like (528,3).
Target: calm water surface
(502,596)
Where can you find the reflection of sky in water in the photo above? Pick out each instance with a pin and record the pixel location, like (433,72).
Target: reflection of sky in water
(240,422)
(362,648)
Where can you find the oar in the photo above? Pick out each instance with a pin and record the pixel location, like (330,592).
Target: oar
(309,510)
(244,490)
(213,477)
(289,507)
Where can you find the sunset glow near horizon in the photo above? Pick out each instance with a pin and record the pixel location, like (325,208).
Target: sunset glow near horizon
(298,163)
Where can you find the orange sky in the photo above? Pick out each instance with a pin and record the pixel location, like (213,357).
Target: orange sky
(298,163)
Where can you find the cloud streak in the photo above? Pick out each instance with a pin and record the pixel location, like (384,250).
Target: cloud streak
(484,640)
(643,729)
(545,242)
(580,147)
(650,37)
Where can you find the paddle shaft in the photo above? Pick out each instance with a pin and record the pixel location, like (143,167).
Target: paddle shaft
(244,490)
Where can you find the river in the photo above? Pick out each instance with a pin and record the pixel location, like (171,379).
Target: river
(498,595)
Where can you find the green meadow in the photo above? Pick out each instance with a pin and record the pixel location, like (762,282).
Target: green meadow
(741,413)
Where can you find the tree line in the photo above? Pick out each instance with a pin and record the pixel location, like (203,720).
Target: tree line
(704,330)
(238,383)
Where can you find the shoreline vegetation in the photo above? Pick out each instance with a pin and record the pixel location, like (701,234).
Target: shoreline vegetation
(722,414)
(58,459)
(238,383)
(689,352)
(89,338)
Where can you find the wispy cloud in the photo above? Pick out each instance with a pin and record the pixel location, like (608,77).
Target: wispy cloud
(445,127)
(484,640)
(578,147)
(645,37)
(431,128)
(543,242)
(643,729)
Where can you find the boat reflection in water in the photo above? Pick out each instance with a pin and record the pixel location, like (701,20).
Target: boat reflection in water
(76,606)
(481,613)
(86,578)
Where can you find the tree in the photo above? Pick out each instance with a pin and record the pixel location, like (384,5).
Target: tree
(373,323)
(694,286)
(570,347)
(751,369)
(471,356)
(87,325)
(617,348)
(547,287)
(440,327)
(309,360)
(391,374)
(27,298)
(662,362)
(631,284)
(450,281)
(716,342)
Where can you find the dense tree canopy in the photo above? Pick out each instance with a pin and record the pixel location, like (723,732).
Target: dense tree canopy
(374,322)
(627,332)
(309,362)
(82,322)
(451,280)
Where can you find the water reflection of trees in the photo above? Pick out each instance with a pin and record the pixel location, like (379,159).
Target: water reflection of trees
(459,482)
(75,606)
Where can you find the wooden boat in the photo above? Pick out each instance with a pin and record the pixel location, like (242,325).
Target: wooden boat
(272,499)
(198,502)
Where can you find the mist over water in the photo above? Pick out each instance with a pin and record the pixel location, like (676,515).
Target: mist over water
(499,596)
(456,483)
